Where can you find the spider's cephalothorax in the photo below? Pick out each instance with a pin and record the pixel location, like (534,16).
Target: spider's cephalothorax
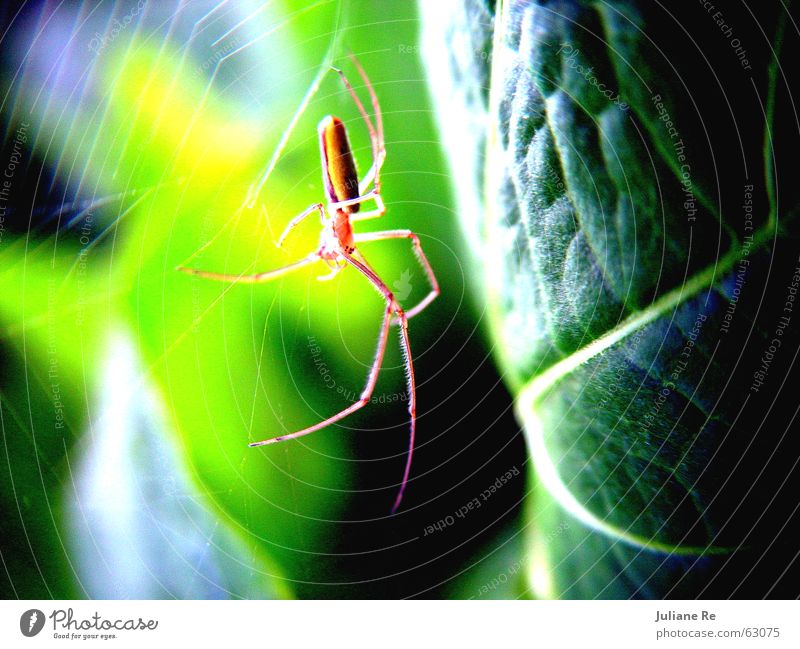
(345,194)
(336,236)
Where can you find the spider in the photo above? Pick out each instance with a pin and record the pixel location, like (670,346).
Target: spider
(338,249)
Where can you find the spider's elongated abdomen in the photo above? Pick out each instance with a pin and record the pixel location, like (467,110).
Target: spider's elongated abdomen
(339,173)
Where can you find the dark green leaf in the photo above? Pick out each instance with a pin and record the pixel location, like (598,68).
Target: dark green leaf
(633,295)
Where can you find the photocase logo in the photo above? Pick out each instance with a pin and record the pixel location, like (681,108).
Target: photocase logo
(31,622)
(402,287)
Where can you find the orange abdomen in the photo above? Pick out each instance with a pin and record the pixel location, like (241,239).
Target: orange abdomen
(339,173)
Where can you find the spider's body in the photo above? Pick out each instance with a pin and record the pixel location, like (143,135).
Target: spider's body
(339,173)
(340,178)
(338,248)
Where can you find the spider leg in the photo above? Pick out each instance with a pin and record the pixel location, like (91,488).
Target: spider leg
(380,208)
(335,268)
(423,260)
(412,406)
(319,207)
(392,305)
(379,146)
(366,393)
(375,130)
(252,279)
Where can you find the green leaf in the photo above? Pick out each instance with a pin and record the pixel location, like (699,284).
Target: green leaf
(640,265)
